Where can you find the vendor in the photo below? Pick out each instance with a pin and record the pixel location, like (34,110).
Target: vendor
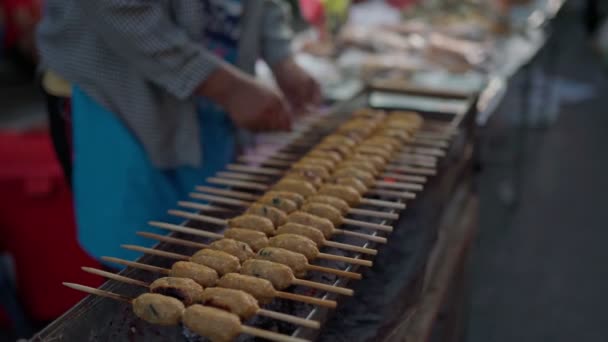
(158,91)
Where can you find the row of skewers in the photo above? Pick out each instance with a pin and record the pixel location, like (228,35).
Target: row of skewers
(273,244)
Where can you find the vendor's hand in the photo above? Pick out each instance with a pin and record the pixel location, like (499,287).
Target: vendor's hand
(250,104)
(257,107)
(300,89)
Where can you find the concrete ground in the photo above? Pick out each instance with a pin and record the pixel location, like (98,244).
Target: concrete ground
(539,272)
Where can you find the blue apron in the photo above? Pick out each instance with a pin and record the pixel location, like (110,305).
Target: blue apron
(117,190)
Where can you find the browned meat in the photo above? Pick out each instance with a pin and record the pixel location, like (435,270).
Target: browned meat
(158,309)
(184,289)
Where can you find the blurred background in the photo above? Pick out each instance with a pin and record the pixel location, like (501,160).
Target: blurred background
(537,269)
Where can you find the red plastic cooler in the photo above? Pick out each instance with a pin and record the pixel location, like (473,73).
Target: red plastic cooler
(37,226)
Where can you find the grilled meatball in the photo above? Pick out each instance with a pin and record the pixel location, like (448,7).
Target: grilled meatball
(335,202)
(221,262)
(283,204)
(259,288)
(379,140)
(215,324)
(256,240)
(306,219)
(362,165)
(273,214)
(299,229)
(370,113)
(365,177)
(340,139)
(237,302)
(374,151)
(239,249)
(328,164)
(396,133)
(333,156)
(378,146)
(296,243)
(319,171)
(347,193)
(296,261)
(184,289)
(325,211)
(300,187)
(379,162)
(279,275)
(201,274)
(344,151)
(351,182)
(292,196)
(253,222)
(303,175)
(158,309)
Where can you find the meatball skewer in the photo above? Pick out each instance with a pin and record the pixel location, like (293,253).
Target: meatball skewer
(214,220)
(309,192)
(330,233)
(215,324)
(242,304)
(259,288)
(299,268)
(279,275)
(269,199)
(202,233)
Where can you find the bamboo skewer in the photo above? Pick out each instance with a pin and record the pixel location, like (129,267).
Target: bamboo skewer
(242,203)
(187,243)
(262,312)
(273,160)
(357,223)
(279,294)
(243,176)
(263,187)
(412,169)
(379,183)
(295,281)
(213,220)
(339,245)
(253,197)
(429,159)
(244,329)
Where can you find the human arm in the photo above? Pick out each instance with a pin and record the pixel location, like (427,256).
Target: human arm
(143,34)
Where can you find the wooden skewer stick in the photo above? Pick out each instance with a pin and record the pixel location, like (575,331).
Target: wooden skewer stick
(245,204)
(296,281)
(406,195)
(238,184)
(213,220)
(327,243)
(244,329)
(380,192)
(285,295)
(262,312)
(346,247)
(405,178)
(400,186)
(409,150)
(255,169)
(357,223)
(176,241)
(242,176)
(257,186)
(227,192)
(411,169)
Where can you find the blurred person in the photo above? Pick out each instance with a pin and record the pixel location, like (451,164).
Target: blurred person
(157,98)
(20,18)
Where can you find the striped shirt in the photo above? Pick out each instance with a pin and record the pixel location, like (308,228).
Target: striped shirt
(144,59)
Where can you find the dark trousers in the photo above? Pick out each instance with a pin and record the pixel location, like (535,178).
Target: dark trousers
(59,110)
